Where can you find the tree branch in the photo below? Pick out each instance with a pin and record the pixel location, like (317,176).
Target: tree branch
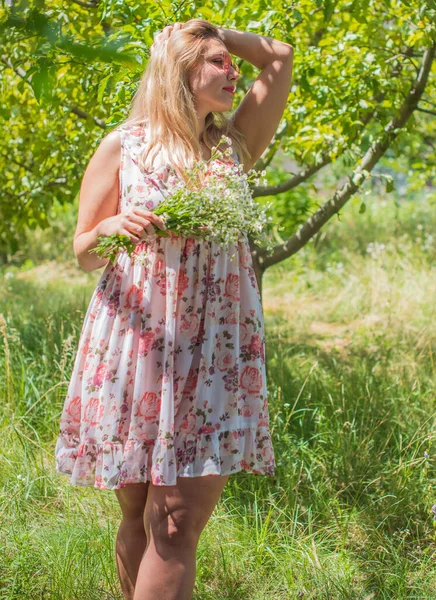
(86,4)
(325,158)
(307,172)
(426,110)
(84,115)
(74,109)
(20,72)
(272,190)
(369,160)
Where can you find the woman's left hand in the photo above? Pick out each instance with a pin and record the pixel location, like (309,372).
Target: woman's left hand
(162,36)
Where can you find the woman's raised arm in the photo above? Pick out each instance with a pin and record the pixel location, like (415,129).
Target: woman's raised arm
(262,107)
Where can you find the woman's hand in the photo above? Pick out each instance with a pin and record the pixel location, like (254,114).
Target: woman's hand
(132,223)
(162,36)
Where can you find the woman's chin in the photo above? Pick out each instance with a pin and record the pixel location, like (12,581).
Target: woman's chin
(222,106)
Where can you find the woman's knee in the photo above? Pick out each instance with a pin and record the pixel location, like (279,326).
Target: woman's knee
(178,528)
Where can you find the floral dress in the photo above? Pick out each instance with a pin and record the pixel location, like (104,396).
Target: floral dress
(169,378)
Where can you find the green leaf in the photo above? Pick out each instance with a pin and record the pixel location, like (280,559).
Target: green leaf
(102,87)
(328,9)
(39,82)
(389,184)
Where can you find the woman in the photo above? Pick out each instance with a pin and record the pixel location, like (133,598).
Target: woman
(168,386)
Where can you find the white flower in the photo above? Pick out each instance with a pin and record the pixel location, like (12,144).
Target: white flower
(221,208)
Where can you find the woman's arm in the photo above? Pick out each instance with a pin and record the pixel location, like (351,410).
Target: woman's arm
(258,50)
(261,109)
(99,193)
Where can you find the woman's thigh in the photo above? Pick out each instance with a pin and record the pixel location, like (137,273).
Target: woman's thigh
(180,512)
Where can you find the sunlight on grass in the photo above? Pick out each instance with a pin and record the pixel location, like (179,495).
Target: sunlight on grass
(350,329)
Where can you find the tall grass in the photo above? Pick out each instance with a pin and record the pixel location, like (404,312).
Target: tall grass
(351,373)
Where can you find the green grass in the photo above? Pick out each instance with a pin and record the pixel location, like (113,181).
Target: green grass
(351,356)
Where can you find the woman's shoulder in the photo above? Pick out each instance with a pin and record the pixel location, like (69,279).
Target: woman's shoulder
(109,146)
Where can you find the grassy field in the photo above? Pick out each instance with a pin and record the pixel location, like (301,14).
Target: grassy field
(350,325)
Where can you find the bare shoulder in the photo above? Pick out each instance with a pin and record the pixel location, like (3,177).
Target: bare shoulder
(106,158)
(110,146)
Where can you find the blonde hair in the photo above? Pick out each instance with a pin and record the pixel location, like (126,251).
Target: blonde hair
(164,103)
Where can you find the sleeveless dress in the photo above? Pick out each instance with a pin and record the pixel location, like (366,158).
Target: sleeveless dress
(169,378)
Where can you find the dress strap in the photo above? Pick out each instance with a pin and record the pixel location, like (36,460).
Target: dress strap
(132,138)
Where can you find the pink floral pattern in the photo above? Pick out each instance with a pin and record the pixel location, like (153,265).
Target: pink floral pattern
(170,364)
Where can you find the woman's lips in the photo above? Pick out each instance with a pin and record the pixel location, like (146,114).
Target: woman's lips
(230,89)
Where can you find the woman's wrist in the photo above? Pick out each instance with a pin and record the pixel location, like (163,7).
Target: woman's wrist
(221,34)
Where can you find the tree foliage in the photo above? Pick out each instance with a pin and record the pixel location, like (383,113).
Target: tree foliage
(363,88)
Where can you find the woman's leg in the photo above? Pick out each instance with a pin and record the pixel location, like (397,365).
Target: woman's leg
(131,540)
(175,516)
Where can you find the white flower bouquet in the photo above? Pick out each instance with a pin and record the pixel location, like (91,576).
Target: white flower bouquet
(221,210)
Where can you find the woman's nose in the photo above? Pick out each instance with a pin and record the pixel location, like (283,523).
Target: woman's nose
(233,74)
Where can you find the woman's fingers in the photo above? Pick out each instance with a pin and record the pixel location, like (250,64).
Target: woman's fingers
(163,35)
(147,217)
(130,235)
(168,29)
(138,225)
(141,228)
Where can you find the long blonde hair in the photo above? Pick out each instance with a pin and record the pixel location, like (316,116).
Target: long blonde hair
(164,103)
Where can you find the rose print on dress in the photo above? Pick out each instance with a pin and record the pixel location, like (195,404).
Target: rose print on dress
(146,339)
(253,349)
(158,268)
(224,360)
(244,334)
(170,361)
(134,298)
(189,246)
(162,284)
(99,375)
(189,325)
(232,287)
(113,304)
(255,344)
(189,423)
(182,283)
(245,257)
(191,383)
(149,406)
(251,380)
(85,346)
(97,303)
(246,410)
(73,409)
(231,318)
(90,414)
(206,429)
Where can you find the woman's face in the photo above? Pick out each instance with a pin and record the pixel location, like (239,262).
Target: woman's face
(212,76)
